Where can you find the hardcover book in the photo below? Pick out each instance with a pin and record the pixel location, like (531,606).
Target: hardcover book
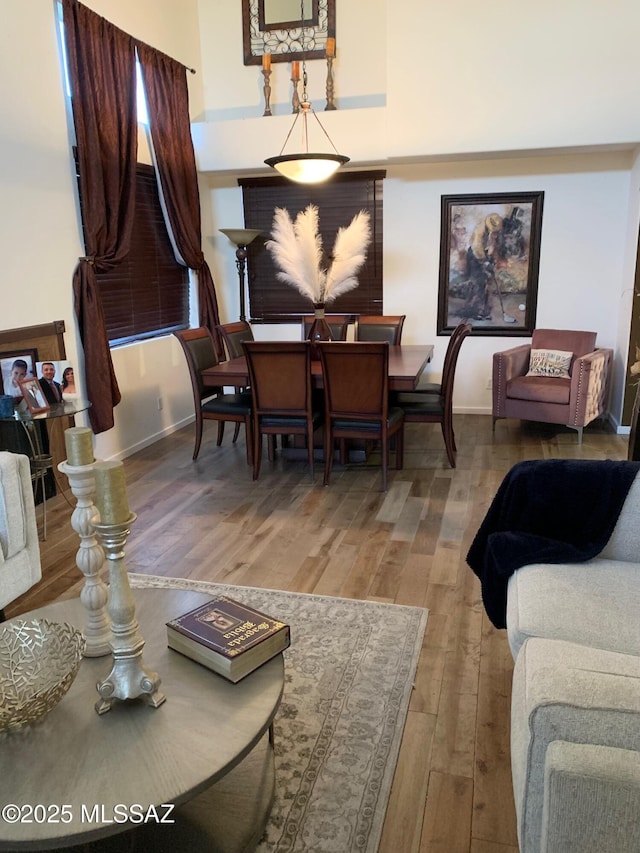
(228,637)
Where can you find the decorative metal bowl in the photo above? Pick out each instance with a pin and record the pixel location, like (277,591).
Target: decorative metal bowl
(38,663)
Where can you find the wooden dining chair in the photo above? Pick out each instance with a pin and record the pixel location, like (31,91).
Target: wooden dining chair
(281,388)
(437,408)
(234,335)
(210,402)
(425,387)
(338,323)
(356,393)
(378,327)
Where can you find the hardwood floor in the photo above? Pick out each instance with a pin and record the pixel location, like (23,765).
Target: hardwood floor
(209,520)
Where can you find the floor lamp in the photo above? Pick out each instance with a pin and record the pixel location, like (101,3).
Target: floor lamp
(241,237)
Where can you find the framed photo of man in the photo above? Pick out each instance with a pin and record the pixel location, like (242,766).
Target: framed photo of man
(489,261)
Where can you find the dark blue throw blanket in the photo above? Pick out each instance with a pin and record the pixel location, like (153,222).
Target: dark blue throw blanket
(546,511)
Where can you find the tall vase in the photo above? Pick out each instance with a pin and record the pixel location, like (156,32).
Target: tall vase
(319,331)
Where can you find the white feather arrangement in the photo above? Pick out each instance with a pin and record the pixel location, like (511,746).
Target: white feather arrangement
(297,249)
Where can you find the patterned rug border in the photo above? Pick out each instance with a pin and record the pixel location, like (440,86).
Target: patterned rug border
(365,841)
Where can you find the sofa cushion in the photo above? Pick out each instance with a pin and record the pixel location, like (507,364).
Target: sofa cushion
(549,362)
(539,389)
(591,799)
(624,543)
(595,603)
(563,692)
(579,343)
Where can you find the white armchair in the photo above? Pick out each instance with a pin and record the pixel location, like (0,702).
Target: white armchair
(19,545)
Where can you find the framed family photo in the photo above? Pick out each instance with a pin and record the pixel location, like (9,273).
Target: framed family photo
(34,396)
(489,262)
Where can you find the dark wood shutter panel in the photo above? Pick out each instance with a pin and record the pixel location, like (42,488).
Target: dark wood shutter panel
(148,293)
(338,202)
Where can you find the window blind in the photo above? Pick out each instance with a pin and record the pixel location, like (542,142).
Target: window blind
(338,201)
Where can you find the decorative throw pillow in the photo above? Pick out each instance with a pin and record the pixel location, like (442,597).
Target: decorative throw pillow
(550,362)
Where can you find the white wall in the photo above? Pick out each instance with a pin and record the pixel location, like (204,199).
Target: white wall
(420,87)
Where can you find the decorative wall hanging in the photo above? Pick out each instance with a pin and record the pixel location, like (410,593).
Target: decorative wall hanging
(270,27)
(489,258)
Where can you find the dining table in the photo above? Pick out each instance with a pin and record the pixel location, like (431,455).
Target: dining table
(406,363)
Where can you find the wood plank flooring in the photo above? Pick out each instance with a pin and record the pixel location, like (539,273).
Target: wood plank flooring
(208,520)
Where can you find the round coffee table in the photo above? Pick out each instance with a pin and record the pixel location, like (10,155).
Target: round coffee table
(207,747)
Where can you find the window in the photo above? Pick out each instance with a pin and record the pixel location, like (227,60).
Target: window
(148,293)
(338,201)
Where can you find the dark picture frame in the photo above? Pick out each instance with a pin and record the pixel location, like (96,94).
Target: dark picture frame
(34,395)
(284,39)
(8,357)
(489,262)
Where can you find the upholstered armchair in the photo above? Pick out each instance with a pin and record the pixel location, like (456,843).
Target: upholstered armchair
(570,385)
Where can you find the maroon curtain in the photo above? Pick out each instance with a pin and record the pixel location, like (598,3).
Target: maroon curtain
(165,86)
(101,60)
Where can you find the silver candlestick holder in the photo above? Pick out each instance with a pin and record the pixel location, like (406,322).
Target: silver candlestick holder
(128,679)
(89,559)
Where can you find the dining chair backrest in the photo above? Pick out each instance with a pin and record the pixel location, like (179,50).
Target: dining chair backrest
(209,401)
(380,328)
(338,324)
(437,407)
(356,393)
(458,335)
(356,380)
(200,352)
(281,389)
(280,377)
(234,335)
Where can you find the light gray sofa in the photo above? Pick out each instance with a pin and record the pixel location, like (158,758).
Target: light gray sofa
(19,546)
(574,631)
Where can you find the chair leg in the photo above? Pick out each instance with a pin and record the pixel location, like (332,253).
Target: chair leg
(448,442)
(196,449)
(310,448)
(220,432)
(384,451)
(271,445)
(236,432)
(578,429)
(257,450)
(328,453)
(399,437)
(342,443)
(248,435)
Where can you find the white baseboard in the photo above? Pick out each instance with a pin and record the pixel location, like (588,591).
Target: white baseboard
(151,439)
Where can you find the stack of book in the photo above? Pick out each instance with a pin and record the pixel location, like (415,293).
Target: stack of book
(228,637)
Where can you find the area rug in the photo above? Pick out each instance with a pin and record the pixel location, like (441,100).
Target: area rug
(348,678)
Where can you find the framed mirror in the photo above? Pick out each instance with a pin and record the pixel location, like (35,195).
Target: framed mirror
(274,26)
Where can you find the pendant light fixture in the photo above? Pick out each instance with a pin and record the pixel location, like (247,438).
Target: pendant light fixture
(305,167)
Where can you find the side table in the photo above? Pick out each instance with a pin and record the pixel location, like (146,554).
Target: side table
(207,747)
(32,426)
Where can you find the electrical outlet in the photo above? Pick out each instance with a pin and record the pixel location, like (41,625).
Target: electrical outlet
(160,404)
(489,384)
